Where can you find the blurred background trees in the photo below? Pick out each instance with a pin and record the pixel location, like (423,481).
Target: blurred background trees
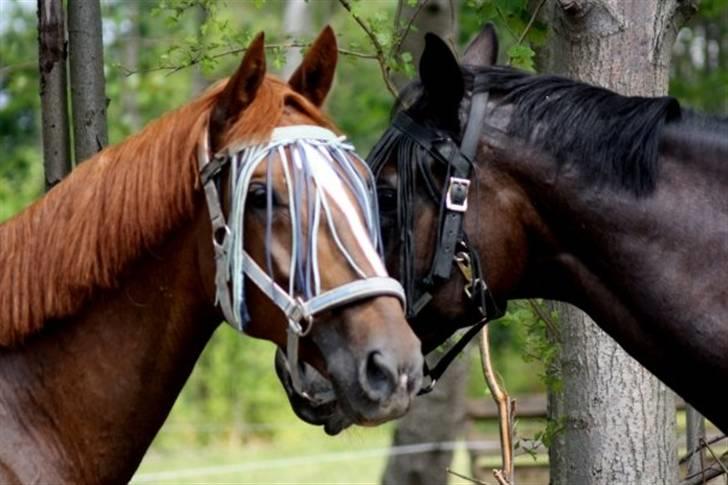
(158,54)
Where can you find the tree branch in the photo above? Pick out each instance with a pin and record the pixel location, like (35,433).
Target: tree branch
(403,33)
(378,48)
(531,21)
(237,50)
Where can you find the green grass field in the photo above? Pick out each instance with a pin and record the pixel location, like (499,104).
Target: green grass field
(299,455)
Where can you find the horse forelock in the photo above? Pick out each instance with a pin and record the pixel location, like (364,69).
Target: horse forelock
(125,200)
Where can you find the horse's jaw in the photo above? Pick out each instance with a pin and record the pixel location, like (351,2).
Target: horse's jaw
(326,413)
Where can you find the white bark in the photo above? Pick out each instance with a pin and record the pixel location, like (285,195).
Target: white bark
(297,25)
(54,101)
(88,91)
(619,419)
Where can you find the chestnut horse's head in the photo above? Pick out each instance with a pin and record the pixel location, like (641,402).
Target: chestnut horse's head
(296,236)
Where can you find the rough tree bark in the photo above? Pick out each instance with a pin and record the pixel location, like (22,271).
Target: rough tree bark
(438,417)
(88,92)
(54,101)
(619,419)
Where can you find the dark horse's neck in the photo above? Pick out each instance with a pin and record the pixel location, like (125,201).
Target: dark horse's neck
(649,268)
(81,401)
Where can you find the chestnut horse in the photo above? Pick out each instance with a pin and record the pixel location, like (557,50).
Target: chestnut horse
(108,283)
(615,204)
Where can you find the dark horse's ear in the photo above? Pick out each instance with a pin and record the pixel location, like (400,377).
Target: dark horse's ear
(483,49)
(239,92)
(442,79)
(314,76)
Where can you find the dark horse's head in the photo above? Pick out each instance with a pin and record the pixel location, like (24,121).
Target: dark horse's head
(533,141)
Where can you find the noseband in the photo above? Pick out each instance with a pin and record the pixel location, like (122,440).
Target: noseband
(320,165)
(410,140)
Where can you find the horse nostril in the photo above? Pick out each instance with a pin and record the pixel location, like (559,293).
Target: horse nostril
(380,377)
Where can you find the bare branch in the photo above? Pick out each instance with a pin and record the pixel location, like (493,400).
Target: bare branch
(196,60)
(712,453)
(505,21)
(403,33)
(531,21)
(701,447)
(703,477)
(378,48)
(551,326)
(464,477)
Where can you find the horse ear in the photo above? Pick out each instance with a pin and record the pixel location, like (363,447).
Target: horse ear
(441,77)
(239,91)
(314,76)
(483,49)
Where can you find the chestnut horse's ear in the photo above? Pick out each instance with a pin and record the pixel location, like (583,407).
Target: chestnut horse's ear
(483,49)
(239,92)
(314,76)
(442,79)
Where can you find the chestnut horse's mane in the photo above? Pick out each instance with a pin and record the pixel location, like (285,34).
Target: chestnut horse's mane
(81,236)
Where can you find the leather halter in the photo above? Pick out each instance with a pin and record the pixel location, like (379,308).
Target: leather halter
(452,244)
(299,312)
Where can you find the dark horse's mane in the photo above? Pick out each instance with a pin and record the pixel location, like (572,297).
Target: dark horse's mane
(614,139)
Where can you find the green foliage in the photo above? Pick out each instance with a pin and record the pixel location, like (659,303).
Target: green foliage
(21,173)
(519,33)
(521,56)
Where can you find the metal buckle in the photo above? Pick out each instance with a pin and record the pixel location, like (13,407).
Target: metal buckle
(298,315)
(462,205)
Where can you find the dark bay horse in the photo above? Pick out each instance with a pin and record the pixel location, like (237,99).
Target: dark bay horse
(108,284)
(618,205)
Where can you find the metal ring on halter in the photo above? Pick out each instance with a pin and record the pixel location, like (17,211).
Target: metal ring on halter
(302,332)
(475,285)
(221,242)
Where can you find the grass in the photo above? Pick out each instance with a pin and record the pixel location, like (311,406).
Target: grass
(301,455)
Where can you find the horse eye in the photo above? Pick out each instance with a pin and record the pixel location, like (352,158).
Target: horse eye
(387,198)
(257,196)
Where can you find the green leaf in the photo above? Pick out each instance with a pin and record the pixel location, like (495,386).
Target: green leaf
(521,56)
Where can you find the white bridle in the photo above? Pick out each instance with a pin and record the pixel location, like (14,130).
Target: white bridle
(322,165)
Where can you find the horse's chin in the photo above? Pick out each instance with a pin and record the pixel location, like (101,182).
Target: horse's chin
(326,413)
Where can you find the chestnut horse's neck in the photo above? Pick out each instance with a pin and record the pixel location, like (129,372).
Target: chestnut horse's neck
(81,401)
(650,269)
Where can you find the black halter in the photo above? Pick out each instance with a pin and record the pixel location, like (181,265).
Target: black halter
(412,140)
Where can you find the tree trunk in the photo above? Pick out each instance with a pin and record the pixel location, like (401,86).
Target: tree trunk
(619,419)
(297,25)
(88,92)
(54,101)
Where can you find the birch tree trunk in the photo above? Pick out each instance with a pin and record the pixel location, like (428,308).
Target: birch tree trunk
(88,92)
(619,419)
(296,24)
(53,98)
(438,417)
